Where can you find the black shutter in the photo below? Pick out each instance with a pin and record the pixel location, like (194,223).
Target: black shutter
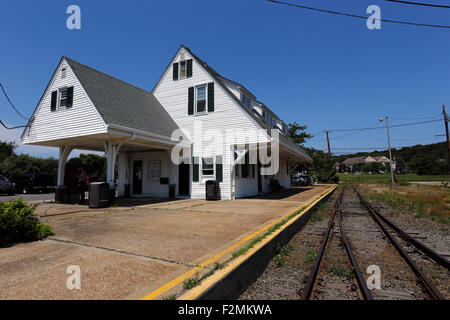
(219,169)
(195,169)
(175,71)
(69,101)
(191,101)
(189,69)
(211,97)
(54,98)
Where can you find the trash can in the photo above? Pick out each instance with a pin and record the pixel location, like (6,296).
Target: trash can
(127,190)
(212,190)
(172,188)
(99,195)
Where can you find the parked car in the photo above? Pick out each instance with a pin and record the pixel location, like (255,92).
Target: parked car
(35,182)
(7,186)
(303,180)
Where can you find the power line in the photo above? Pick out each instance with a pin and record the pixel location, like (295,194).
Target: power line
(420,4)
(358,16)
(12,128)
(391,126)
(10,102)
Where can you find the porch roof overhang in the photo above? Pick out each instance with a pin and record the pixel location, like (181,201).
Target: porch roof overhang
(131,140)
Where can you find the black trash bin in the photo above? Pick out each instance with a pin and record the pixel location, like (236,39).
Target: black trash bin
(99,195)
(172,188)
(127,190)
(212,190)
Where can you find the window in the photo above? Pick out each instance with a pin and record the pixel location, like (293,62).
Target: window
(207,167)
(247,101)
(154,169)
(62,97)
(63,73)
(182,70)
(200,99)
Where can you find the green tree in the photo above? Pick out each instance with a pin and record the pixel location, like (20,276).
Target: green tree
(298,133)
(15,165)
(6,149)
(94,165)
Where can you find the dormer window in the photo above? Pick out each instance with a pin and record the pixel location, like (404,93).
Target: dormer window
(246,101)
(182,69)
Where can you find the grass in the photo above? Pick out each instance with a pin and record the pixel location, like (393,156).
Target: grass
(269,232)
(311,255)
(424,201)
(385,178)
(190,283)
(339,271)
(170,297)
(279,260)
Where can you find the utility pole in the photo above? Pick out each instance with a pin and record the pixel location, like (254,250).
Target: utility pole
(329,151)
(448,140)
(390,154)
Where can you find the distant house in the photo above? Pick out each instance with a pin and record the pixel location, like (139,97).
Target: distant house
(382,159)
(351,162)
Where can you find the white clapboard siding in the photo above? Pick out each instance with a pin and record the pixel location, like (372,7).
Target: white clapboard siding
(80,120)
(173,95)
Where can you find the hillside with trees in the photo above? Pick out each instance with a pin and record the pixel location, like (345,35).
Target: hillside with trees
(430,159)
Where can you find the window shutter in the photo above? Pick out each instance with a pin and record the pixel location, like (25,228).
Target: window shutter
(69,100)
(195,169)
(175,71)
(189,69)
(219,169)
(191,101)
(211,97)
(54,98)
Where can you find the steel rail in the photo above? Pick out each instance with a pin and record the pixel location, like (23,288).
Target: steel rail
(359,277)
(434,292)
(416,243)
(307,290)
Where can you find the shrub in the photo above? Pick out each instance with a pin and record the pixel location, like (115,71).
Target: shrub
(279,260)
(18,223)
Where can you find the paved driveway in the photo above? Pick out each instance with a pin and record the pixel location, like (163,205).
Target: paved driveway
(29,197)
(129,251)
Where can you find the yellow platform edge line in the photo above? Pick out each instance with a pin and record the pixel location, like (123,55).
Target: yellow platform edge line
(169,285)
(194,293)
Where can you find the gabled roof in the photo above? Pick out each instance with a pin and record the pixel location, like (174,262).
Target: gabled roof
(219,79)
(121,103)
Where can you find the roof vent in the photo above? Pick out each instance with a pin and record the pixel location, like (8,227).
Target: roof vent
(182,56)
(63,73)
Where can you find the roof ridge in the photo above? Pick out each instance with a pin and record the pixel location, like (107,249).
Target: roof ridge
(105,74)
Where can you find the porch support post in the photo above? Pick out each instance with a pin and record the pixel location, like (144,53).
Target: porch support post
(64,152)
(110,163)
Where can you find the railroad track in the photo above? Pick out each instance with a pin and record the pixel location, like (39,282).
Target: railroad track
(375,238)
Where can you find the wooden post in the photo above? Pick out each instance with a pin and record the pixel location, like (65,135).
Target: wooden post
(329,151)
(448,140)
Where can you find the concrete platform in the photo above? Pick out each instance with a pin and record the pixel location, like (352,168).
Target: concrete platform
(129,251)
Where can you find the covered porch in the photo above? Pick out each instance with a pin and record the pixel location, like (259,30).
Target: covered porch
(130,156)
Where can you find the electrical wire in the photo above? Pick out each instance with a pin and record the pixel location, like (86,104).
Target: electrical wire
(358,16)
(420,4)
(12,128)
(10,102)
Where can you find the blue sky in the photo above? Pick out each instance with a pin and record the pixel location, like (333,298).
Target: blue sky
(322,70)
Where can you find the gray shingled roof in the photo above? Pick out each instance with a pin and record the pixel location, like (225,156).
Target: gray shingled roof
(123,104)
(283,139)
